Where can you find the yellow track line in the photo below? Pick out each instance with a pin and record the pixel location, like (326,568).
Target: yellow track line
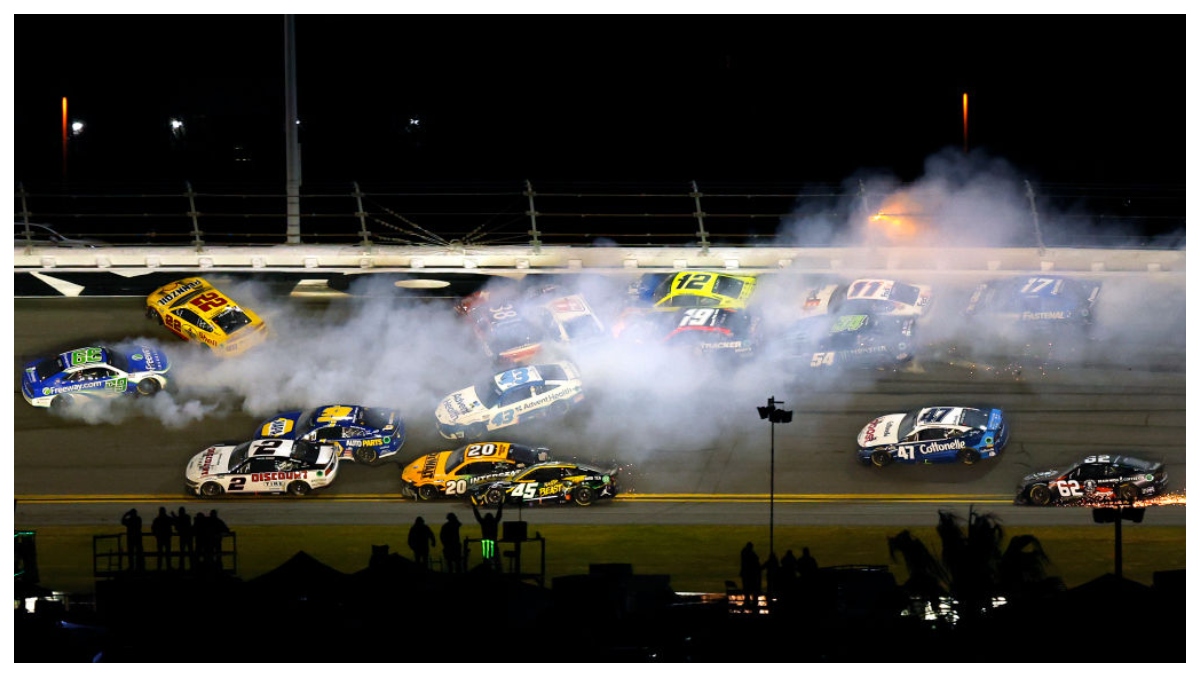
(631,497)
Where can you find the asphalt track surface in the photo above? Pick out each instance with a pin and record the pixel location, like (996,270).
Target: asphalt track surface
(696,453)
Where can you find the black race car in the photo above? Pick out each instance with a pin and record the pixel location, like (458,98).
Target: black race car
(548,484)
(1096,479)
(851,340)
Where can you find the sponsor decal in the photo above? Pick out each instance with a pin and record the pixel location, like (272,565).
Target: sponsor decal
(1047,315)
(451,412)
(935,447)
(429,467)
(180,291)
(869,434)
(364,443)
(206,462)
(278,476)
(280,426)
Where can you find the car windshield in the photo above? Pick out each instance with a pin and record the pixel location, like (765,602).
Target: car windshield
(376,418)
(582,327)
(728,286)
(487,391)
(232,319)
(47,368)
(906,425)
(1138,464)
(238,455)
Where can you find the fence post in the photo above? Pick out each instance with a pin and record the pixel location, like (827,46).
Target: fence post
(25,218)
(197,236)
(1037,228)
(699,214)
(362,219)
(532,214)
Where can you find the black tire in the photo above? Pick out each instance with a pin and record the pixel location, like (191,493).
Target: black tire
(1040,494)
(476,431)
(148,387)
(584,496)
(61,403)
(152,314)
(493,497)
(1128,493)
(211,490)
(366,455)
(880,458)
(427,492)
(969,456)
(298,488)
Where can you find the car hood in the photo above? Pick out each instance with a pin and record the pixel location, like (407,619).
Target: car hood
(883,430)
(212,461)
(461,407)
(423,468)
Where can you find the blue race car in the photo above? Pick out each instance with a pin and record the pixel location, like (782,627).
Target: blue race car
(851,340)
(95,371)
(1036,302)
(362,434)
(934,435)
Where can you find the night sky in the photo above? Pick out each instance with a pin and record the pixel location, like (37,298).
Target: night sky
(800,98)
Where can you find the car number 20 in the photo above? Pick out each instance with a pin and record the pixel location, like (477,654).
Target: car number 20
(456,487)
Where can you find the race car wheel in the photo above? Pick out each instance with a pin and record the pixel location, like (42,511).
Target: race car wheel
(1040,494)
(151,314)
(1128,493)
(298,488)
(211,489)
(427,492)
(880,458)
(366,455)
(61,403)
(584,496)
(493,497)
(968,456)
(148,387)
(476,431)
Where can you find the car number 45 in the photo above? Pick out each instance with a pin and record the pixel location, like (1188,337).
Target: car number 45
(525,491)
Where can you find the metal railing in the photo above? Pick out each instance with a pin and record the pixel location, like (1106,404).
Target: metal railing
(582,214)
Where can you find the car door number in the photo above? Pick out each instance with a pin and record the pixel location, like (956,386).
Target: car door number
(526,491)
(819,359)
(1068,488)
(693,281)
(905,453)
(456,487)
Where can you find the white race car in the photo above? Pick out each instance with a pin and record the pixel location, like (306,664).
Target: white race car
(270,466)
(870,296)
(509,398)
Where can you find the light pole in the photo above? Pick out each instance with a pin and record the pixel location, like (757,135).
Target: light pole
(775,415)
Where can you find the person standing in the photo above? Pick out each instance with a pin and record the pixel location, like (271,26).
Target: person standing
(489,525)
(133,537)
(183,526)
(452,544)
(217,529)
(162,530)
(751,570)
(806,566)
(420,539)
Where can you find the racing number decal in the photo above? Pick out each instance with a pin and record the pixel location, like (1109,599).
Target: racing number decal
(173,322)
(503,418)
(264,447)
(331,414)
(696,317)
(819,359)
(456,488)
(525,491)
(515,376)
(477,450)
(1068,488)
(905,453)
(208,300)
(85,356)
(121,384)
(693,281)
(568,304)
(1036,284)
(237,484)
(864,288)
(503,312)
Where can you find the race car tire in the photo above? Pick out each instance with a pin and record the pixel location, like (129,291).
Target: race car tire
(1128,493)
(493,497)
(476,431)
(211,489)
(148,387)
(1040,494)
(969,456)
(298,488)
(427,492)
(880,458)
(61,403)
(152,314)
(366,455)
(584,496)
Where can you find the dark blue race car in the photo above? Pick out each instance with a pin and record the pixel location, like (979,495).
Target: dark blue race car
(362,434)
(93,372)
(934,435)
(851,340)
(1037,302)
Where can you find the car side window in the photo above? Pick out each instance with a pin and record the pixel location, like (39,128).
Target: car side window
(333,432)
(931,434)
(260,464)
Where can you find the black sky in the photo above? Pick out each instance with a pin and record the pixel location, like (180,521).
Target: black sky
(799,98)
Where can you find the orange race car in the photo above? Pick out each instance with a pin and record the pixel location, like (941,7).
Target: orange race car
(194,310)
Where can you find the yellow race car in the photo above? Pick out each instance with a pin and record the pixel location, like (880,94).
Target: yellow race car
(706,289)
(451,473)
(194,310)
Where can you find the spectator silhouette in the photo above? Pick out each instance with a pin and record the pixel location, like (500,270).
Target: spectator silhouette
(489,525)
(751,571)
(217,529)
(200,530)
(806,566)
(183,526)
(452,544)
(771,566)
(420,538)
(788,568)
(161,529)
(133,535)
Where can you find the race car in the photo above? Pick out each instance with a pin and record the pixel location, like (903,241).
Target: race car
(447,473)
(501,324)
(870,296)
(1104,478)
(194,310)
(273,466)
(569,318)
(1036,302)
(702,331)
(852,340)
(362,434)
(95,371)
(509,398)
(548,484)
(692,289)
(934,435)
